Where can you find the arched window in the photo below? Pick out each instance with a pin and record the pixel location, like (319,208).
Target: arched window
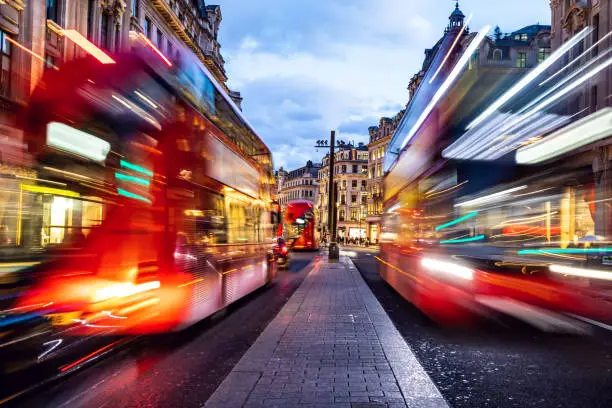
(497,55)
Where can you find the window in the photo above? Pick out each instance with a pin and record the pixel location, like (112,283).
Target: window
(343,199)
(117,37)
(104,33)
(523,37)
(49,61)
(595,34)
(353,214)
(91,6)
(147,27)
(5,73)
(593,98)
(363,184)
(353,198)
(521,60)
(53,10)
(354,168)
(354,184)
(341,215)
(160,39)
(364,168)
(344,184)
(498,55)
(364,200)
(344,168)
(135,8)
(169,50)
(543,53)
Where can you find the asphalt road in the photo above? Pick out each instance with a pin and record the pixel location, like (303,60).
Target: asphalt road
(175,370)
(500,365)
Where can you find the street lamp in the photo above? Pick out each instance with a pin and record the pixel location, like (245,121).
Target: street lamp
(334,251)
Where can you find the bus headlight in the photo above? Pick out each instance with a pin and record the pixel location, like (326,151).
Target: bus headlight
(448,268)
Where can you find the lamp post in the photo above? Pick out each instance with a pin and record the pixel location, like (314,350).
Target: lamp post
(334,251)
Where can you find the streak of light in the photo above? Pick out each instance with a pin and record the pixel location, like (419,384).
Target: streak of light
(449,268)
(533,192)
(135,167)
(54,344)
(490,197)
(552,99)
(451,48)
(462,240)
(527,79)
(430,194)
(457,221)
(146,99)
(138,306)
(137,180)
(135,196)
(88,357)
(42,180)
(155,49)
(230,271)
(29,51)
(590,129)
(112,316)
(193,282)
(85,44)
(37,305)
(124,290)
(564,251)
(411,276)
(528,220)
(447,83)
(575,59)
(581,272)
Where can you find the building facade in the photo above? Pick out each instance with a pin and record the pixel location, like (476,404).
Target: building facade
(351,179)
(299,184)
(570,17)
(379,139)
(32,40)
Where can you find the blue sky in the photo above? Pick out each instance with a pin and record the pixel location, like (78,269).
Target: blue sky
(305,67)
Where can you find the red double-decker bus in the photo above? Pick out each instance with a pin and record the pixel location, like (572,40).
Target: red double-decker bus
(299,226)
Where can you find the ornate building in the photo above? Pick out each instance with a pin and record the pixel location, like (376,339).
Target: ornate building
(32,40)
(379,139)
(351,179)
(569,17)
(299,184)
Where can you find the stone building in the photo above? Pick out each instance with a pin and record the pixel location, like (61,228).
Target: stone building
(351,179)
(300,184)
(280,176)
(569,17)
(32,40)
(379,139)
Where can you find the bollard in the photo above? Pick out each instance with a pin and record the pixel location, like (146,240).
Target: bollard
(334,252)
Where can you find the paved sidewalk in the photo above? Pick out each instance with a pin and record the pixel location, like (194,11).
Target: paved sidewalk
(332,345)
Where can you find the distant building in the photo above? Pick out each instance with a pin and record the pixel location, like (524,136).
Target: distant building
(379,139)
(299,184)
(280,176)
(351,179)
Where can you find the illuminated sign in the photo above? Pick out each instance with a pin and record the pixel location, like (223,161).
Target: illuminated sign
(64,137)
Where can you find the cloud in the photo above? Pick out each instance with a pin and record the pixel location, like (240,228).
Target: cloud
(305,67)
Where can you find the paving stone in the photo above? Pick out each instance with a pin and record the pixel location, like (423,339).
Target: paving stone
(332,345)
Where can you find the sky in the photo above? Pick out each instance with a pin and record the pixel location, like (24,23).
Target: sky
(305,67)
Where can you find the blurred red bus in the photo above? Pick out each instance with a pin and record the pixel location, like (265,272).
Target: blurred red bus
(299,226)
(158,192)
